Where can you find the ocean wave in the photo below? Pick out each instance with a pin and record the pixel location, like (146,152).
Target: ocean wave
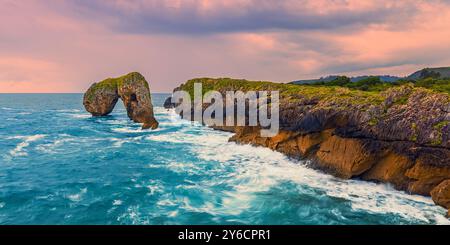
(60,141)
(161,110)
(117,202)
(182,167)
(195,138)
(66,110)
(118,142)
(154,187)
(116,122)
(166,201)
(82,116)
(19,150)
(130,130)
(134,216)
(77,196)
(211,178)
(258,169)
(24,113)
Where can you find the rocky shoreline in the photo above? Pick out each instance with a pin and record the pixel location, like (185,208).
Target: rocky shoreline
(399,136)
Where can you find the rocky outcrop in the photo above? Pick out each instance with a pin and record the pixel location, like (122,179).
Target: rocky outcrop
(132,89)
(168,103)
(399,136)
(406,166)
(441,195)
(345,157)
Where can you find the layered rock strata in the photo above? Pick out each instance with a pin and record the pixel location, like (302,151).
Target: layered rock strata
(399,136)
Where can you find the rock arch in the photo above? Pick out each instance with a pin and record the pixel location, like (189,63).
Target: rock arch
(132,89)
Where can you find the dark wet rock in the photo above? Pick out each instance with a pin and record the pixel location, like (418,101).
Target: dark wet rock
(168,103)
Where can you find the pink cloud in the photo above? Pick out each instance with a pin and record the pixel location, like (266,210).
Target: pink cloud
(55,47)
(19,74)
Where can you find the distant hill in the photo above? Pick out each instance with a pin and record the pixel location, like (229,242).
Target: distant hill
(439,72)
(383,78)
(312,81)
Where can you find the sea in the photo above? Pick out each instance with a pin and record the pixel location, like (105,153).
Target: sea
(60,165)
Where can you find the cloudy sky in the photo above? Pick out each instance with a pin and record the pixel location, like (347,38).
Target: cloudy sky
(64,46)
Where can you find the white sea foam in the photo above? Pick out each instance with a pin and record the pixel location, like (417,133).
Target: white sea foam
(166,201)
(24,113)
(82,116)
(118,142)
(264,169)
(44,197)
(173,213)
(177,167)
(171,118)
(129,130)
(77,196)
(117,202)
(155,187)
(20,148)
(134,216)
(2,204)
(52,147)
(116,122)
(68,110)
(257,169)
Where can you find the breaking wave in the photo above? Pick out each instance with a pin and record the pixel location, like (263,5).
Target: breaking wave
(70,169)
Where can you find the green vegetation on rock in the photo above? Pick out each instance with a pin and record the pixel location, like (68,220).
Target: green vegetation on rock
(435,84)
(378,100)
(414,129)
(439,127)
(111,84)
(290,91)
(374,83)
(365,92)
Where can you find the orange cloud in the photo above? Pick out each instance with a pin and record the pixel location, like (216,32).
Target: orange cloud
(21,74)
(63,47)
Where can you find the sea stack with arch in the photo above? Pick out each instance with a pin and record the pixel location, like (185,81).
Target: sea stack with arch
(132,89)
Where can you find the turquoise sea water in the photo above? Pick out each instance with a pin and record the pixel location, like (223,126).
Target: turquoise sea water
(59,165)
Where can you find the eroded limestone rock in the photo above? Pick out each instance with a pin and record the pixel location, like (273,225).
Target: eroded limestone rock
(132,89)
(399,136)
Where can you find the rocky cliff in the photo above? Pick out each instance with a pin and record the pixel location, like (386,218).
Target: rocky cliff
(132,89)
(400,135)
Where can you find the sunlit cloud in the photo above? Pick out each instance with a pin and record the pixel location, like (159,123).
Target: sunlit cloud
(63,46)
(218,16)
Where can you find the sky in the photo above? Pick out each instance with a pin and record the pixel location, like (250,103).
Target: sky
(66,45)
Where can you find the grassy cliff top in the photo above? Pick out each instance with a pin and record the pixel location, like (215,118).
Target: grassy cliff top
(112,84)
(367,92)
(374,83)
